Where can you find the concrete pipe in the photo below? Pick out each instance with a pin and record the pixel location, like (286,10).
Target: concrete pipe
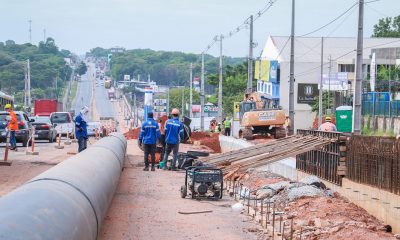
(68,201)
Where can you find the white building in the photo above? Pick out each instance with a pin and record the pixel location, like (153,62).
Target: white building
(307,68)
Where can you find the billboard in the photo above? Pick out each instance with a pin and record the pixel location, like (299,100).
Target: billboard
(335,81)
(266,70)
(196,84)
(307,93)
(273,71)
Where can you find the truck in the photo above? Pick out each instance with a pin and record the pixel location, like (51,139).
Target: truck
(44,107)
(111,93)
(107,83)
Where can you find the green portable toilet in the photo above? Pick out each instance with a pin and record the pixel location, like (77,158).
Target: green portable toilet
(344,118)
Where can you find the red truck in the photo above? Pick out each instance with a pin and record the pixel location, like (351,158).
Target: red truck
(44,107)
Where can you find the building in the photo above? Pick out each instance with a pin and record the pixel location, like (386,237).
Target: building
(339,60)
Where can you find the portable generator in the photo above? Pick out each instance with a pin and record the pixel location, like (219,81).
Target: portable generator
(203,182)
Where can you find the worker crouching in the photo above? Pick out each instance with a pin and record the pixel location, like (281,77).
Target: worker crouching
(328,126)
(174,132)
(149,134)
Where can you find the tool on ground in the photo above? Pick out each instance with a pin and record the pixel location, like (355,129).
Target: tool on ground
(5,161)
(196,212)
(203,183)
(32,140)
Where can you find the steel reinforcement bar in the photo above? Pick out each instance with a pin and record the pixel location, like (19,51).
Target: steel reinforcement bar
(68,201)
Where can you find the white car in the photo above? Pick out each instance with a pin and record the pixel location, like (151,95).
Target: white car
(62,122)
(92,127)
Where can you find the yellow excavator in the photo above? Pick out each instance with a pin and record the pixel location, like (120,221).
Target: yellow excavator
(258,116)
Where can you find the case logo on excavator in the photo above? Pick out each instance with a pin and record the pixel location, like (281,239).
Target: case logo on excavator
(265,116)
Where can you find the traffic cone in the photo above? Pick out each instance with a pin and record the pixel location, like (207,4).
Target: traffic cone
(5,161)
(32,138)
(58,146)
(68,141)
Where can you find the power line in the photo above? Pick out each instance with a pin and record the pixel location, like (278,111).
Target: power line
(329,23)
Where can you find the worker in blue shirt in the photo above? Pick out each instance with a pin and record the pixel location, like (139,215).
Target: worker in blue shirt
(81,128)
(148,136)
(174,132)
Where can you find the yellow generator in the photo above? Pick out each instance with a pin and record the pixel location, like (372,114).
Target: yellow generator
(259,117)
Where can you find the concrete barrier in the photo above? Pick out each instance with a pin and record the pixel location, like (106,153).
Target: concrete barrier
(68,201)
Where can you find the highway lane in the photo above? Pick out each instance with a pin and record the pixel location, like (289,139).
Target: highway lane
(103,104)
(84,92)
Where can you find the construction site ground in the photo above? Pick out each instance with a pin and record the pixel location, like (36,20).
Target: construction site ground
(147,205)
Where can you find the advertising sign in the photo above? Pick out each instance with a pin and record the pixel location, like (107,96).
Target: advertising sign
(373,73)
(196,84)
(307,93)
(160,102)
(335,81)
(273,72)
(210,108)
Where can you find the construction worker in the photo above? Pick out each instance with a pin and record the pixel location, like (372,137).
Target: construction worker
(12,126)
(174,132)
(148,136)
(287,124)
(213,125)
(328,126)
(81,128)
(227,124)
(161,125)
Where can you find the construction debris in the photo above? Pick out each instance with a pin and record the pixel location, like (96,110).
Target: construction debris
(210,140)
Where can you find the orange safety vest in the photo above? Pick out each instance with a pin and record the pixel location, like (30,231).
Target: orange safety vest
(13,123)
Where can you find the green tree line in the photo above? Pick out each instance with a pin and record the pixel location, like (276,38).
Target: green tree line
(49,72)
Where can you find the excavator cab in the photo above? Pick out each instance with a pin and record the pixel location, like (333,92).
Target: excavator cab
(246,106)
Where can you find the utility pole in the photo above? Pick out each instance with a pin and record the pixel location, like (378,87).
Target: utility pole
(250,60)
(191,91)
(291,84)
(329,86)
(28,66)
(220,81)
(26,85)
(30,31)
(168,101)
(321,89)
(183,101)
(202,96)
(359,71)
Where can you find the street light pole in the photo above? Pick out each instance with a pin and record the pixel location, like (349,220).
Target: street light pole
(220,81)
(291,85)
(202,97)
(250,60)
(321,89)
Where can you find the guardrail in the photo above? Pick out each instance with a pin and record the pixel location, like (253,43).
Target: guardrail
(323,163)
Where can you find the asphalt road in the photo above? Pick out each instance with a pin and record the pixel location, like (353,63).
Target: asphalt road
(84,92)
(103,104)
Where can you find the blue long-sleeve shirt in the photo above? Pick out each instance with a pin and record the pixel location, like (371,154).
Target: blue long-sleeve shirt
(173,131)
(150,132)
(80,127)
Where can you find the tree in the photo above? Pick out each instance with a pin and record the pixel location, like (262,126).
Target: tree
(48,47)
(175,97)
(387,27)
(82,69)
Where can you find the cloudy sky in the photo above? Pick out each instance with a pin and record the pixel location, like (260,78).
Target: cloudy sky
(179,25)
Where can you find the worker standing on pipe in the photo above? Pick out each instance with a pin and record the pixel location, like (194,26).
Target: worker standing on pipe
(81,128)
(12,126)
(174,132)
(148,136)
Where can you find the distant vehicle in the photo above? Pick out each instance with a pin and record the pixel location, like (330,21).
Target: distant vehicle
(92,127)
(24,127)
(62,122)
(44,107)
(111,93)
(4,99)
(44,130)
(107,83)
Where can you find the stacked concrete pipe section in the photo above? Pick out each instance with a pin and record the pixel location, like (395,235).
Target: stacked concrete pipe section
(68,201)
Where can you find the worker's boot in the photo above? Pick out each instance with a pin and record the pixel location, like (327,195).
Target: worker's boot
(146,168)
(153,168)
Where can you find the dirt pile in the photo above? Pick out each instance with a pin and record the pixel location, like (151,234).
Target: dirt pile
(132,134)
(318,213)
(210,140)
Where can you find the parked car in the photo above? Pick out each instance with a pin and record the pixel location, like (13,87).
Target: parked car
(44,130)
(92,127)
(24,127)
(62,122)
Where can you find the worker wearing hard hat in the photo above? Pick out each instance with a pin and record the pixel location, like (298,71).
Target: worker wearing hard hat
(81,128)
(174,132)
(12,126)
(148,136)
(328,126)
(227,125)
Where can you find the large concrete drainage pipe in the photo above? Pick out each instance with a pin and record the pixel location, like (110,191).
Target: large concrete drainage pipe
(68,201)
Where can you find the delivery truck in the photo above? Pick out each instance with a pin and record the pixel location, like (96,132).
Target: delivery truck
(44,107)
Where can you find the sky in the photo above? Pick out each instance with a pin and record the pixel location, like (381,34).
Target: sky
(178,25)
